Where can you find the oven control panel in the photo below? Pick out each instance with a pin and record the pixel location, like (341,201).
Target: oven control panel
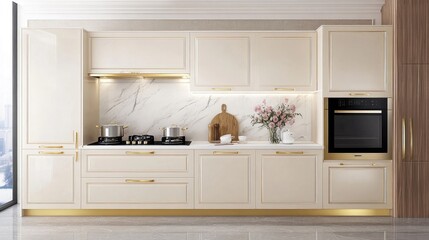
(357,103)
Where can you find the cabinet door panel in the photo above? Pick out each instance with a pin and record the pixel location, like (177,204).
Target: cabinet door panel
(50,180)
(412,31)
(286,61)
(139,52)
(51,76)
(221,61)
(288,181)
(357,184)
(356,60)
(225,181)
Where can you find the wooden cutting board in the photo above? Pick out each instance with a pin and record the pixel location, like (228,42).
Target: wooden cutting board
(228,124)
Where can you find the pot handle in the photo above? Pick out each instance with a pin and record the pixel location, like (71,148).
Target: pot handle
(125,126)
(185,128)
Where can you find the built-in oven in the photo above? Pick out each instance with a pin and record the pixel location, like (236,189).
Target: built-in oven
(358,128)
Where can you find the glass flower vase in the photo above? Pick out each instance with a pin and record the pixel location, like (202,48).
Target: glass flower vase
(274,135)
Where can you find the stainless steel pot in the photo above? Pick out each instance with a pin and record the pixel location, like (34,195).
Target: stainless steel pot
(111,130)
(173,131)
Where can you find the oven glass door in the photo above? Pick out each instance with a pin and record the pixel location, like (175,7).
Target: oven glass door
(358,131)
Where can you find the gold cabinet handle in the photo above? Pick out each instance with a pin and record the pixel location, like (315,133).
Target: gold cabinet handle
(42,146)
(139,153)
(359,94)
(77,156)
(224,152)
(404,137)
(352,164)
(221,89)
(76,141)
(289,153)
(284,89)
(359,111)
(411,139)
(48,153)
(139,181)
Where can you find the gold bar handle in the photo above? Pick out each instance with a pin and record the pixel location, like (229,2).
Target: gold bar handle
(224,153)
(77,156)
(411,139)
(359,94)
(404,137)
(139,153)
(352,164)
(284,89)
(289,153)
(139,181)
(42,146)
(50,153)
(221,89)
(76,142)
(359,111)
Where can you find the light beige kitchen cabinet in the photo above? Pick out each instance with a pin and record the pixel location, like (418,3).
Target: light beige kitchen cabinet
(138,163)
(356,61)
(357,184)
(285,61)
(51,87)
(225,179)
(137,193)
(289,179)
(50,179)
(139,52)
(221,61)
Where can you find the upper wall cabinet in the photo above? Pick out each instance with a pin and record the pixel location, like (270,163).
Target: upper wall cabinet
(356,60)
(51,87)
(253,61)
(221,61)
(286,61)
(139,52)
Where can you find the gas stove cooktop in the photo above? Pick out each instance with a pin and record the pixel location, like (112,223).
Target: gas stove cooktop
(137,140)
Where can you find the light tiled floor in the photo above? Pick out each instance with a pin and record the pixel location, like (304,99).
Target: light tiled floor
(210,228)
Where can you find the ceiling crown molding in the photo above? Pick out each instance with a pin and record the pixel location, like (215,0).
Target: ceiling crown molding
(201,9)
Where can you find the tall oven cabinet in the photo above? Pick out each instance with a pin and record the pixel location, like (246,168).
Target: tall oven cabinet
(52,71)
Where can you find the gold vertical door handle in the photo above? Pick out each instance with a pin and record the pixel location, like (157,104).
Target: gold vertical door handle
(76,141)
(411,139)
(404,137)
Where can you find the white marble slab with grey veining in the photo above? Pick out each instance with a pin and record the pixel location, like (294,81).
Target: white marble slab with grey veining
(148,105)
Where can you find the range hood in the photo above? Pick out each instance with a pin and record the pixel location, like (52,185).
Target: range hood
(141,75)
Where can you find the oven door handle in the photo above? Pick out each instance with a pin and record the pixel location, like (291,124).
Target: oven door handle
(359,111)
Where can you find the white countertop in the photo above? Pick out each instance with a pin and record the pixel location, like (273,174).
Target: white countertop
(211,146)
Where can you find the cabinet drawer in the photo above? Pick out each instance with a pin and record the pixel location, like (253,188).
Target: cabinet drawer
(137,193)
(357,184)
(137,163)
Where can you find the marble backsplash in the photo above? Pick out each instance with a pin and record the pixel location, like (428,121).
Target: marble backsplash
(147,105)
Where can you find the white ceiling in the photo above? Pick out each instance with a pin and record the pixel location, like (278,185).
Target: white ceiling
(201,9)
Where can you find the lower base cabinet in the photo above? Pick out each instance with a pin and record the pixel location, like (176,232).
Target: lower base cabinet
(357,184)
(289,179)
(141,193)
(224,179)
(50,179)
